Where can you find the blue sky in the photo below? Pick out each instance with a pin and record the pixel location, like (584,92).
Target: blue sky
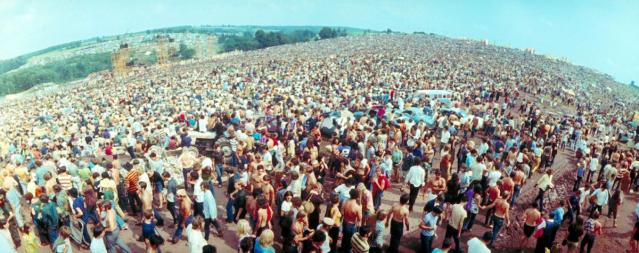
(600,34)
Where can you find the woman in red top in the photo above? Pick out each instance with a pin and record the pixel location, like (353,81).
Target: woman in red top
(380,184)
(108,149)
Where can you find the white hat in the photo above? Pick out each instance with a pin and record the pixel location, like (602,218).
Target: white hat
(328,221)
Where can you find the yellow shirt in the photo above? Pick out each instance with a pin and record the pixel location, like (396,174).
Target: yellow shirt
(30,242)
(458,214)
(544,182)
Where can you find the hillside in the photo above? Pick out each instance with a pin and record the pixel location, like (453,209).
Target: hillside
(77,59)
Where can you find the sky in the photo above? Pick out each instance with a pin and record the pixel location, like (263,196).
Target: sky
(601,34)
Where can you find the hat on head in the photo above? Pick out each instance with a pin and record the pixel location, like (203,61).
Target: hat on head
(328,221)
(181,192)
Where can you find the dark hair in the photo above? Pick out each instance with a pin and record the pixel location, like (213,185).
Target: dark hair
(363,230)
(73,192)
(209,249)
(404,198)
(354,194)
(246,244)
(97,230)
(321,237)
(487,236)
(446,244)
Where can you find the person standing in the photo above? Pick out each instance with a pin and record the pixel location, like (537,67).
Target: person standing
(97,243)
(171,194)
(476,245)
(352,211)
(399,217)
(549,234)
(360,240)
(377,240)
(415,180)
(530,220)
(428,227)
(210,212)
(112,231)
(456,222)
(592,229)
(575,231)
(601,197)
(544,183)
(185,215)
(502,212)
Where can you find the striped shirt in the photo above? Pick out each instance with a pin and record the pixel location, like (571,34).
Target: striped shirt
(65,181)
(131,180)
(359,244)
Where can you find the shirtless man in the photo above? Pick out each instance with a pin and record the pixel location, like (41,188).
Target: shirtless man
(258,178)
(113,231)
(352,218)
(502,211)
(268,190)
(531,216)
(264,215)
(298,228)
(399,217)
(507,184)
(519,178)
(184,214)
(437,184)
(147,200)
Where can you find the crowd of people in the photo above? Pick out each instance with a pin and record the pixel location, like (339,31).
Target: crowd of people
(307,144)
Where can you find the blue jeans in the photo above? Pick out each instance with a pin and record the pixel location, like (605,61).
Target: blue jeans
(497,224)
(516,192)
(348,230)
(470,221)
(185,173)
(218,172)
(230,215)
(377,200)
(426,242)
(113,240)
(179,229)
(158,217)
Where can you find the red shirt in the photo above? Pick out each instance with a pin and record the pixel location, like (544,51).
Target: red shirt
(108,150)
(383,181)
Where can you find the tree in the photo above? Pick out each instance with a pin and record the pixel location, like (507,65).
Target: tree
(327,33)
(185,52)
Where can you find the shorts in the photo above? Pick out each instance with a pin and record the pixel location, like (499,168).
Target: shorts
(528,230)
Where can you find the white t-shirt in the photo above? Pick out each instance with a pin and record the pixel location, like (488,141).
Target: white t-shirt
(477,246)
(493,177)
(197,191)
(196,241)
(97,245)
(477,170)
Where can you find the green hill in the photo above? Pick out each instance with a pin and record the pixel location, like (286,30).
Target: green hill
(77,59)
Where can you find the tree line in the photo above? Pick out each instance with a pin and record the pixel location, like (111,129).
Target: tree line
(73,68)
(263,39)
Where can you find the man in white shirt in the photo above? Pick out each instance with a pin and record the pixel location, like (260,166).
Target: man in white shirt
(478,168)
(602,197)
(593,167)
(198,194)
(415,180)
(476,245)
(445,137)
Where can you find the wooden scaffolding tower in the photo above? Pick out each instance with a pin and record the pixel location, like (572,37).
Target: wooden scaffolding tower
(119,60)
(162,50)
(212,40)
